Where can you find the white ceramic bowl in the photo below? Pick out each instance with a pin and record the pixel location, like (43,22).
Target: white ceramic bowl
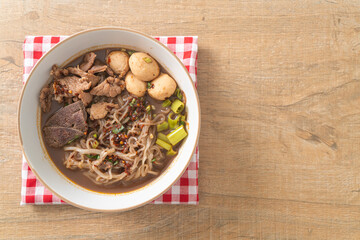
(30,130)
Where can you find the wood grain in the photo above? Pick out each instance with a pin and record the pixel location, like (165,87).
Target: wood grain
(279,85)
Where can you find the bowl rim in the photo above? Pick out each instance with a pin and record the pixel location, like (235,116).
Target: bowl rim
(26,84)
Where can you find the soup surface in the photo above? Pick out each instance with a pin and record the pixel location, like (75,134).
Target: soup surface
(112,120)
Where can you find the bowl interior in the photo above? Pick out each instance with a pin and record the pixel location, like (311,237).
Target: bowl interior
(30,130)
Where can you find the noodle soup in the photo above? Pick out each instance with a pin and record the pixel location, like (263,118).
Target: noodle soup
(112,120)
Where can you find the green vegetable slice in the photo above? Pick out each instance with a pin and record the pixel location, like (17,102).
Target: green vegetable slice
(163,137)
(171,152)
(177,106)
(163,144)
(173,123)
(166,103)
(177,135)
(162,126)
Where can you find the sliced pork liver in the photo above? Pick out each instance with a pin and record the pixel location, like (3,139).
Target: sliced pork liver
(59,136)
(65,125)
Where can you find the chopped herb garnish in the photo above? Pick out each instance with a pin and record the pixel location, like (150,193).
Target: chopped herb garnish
(95,135)
(154,159)
(130,52)
(93,156)
(116,162)
(133,101)
(117,130)
(148,108)
(183,121)
(178,94)
(76,137)
(123,50)
(147,60)
(149,85)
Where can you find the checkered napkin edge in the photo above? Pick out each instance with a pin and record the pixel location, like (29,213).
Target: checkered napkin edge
(184,191)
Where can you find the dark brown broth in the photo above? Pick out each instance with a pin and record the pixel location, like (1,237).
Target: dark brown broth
(58,155)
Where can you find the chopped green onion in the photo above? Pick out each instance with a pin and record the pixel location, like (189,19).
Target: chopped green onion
(182,120)
(163,144)
(178,93)
(173,123)
(95,135)
(116,162)
(177,106)
(130,52)
(171,152)
(147,59)
(154,159)
(166,103)
(149,85)
(95,144)
(123,50)
(162,126)
(76,137)
(163,137)
(177,135)
(93,156)
(148,108)
(133,101)
(117,130)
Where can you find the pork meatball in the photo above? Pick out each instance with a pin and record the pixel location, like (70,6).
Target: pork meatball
(118,61)
(134,85)
(162,87)
(143,66)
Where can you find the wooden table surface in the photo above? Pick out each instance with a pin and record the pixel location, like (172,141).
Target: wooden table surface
(279,85)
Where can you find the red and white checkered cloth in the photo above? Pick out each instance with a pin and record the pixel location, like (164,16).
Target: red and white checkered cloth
(185,191)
